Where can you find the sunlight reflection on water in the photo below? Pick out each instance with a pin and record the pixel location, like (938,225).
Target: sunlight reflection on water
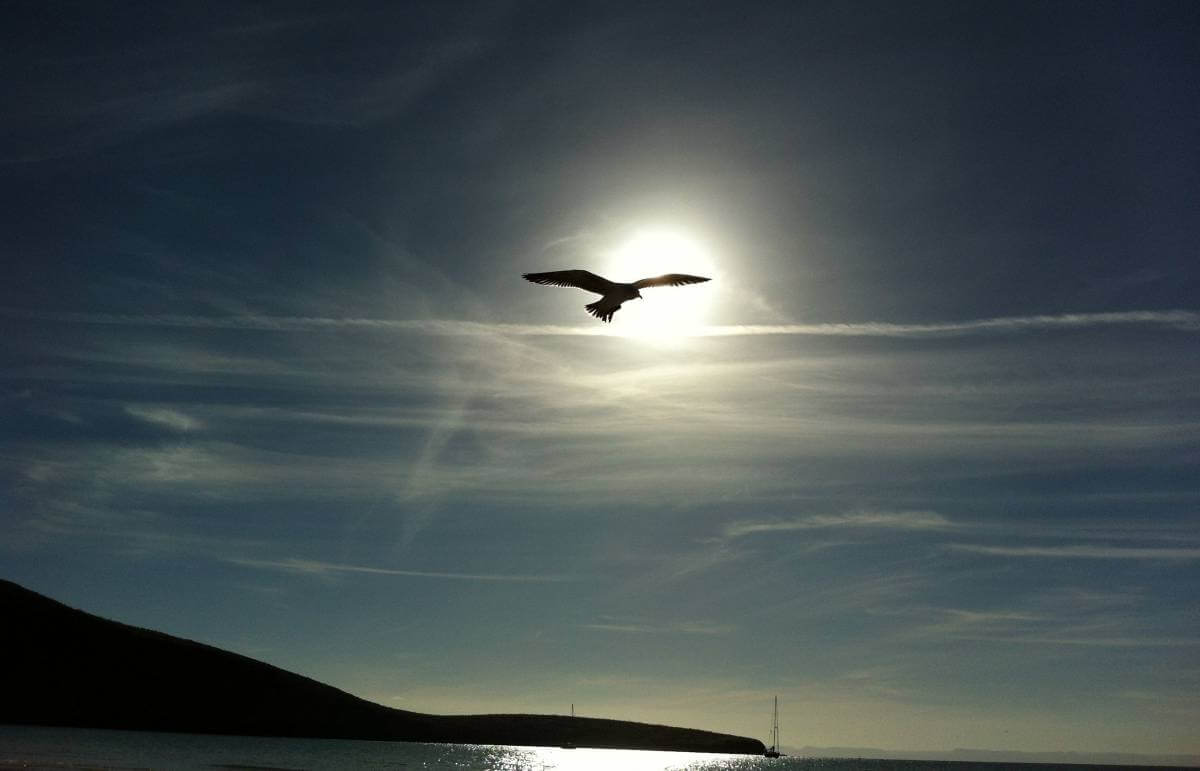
(39,747)
(557,759)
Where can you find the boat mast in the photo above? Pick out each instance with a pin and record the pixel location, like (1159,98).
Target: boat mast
(775,727)
(777,721)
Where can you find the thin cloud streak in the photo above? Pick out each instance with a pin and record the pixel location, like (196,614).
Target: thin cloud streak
(313,567)
(1183,320)
(696,629)
(887,520)
(163,416)
(1079,552)
(1093,642)
(624,626)
(1187,321)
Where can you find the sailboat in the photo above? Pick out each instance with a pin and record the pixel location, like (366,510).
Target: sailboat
(773,750)
(570,745)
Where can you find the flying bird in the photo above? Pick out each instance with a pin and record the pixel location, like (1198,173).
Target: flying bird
(612,294)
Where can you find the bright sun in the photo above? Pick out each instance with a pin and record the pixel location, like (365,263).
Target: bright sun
(665,313)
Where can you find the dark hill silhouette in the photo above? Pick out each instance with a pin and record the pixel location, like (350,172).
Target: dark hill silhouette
(61,666)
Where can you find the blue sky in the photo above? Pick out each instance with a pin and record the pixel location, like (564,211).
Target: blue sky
(921,459)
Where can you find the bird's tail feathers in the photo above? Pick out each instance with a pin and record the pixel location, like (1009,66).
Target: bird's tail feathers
(602,311)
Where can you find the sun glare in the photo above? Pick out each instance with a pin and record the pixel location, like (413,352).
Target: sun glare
(665,313)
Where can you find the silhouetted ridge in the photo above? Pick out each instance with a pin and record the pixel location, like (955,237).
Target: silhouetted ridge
(62,666)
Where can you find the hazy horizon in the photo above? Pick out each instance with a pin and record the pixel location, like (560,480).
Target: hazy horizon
(920,459)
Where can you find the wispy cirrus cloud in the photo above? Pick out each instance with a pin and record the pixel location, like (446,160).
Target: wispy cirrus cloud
(1184,320)
(1111,642)
(1066,626)
(91,102)
(866,520)
(622,626)
(1178,319)
(1081,551)
(164,416)
(315,567)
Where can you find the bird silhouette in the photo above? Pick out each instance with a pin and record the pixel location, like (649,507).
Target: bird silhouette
(612,294)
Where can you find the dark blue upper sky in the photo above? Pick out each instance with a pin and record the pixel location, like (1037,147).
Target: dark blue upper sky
(921,458)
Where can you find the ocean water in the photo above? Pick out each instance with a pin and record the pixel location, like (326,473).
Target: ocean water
(37,747)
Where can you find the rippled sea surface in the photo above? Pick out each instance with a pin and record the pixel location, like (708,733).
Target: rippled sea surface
(74,748)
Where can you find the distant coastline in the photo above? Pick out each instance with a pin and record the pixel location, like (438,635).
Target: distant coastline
(65,667)
(966,755)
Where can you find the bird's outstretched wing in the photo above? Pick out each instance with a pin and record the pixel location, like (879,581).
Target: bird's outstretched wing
(581,279)
(670,279)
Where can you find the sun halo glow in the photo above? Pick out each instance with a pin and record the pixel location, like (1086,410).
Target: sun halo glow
(664,313)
